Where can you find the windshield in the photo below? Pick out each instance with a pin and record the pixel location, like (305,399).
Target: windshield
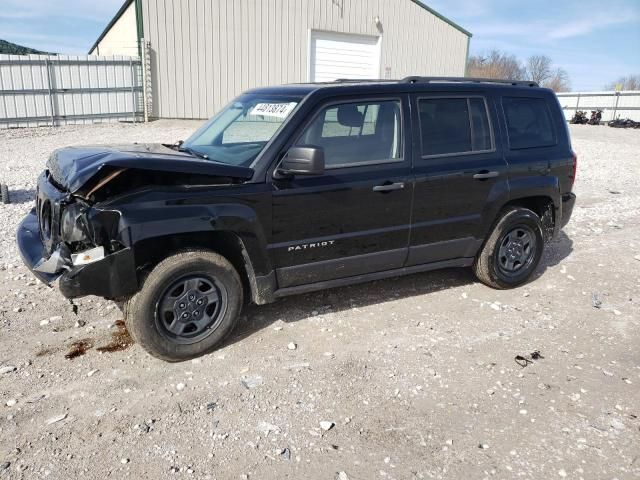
(238,133)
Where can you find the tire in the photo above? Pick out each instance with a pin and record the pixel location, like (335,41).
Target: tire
(4,193)
(512,252)
(187,284)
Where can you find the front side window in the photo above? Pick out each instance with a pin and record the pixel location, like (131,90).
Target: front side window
(356,133)
(528,122)
(239,132)
(454,126)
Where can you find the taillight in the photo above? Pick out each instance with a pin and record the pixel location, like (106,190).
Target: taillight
(575,168)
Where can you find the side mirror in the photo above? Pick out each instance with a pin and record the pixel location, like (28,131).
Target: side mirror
(303,161)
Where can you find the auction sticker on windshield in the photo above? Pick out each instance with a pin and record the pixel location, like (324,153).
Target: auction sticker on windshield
(279,110)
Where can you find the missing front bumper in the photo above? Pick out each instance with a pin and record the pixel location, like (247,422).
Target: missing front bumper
(112,276)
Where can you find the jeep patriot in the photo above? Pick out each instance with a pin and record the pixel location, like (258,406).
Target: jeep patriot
(305,187)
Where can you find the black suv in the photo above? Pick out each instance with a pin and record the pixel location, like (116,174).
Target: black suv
(304,187)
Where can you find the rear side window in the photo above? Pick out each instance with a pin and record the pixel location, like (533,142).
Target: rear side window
(454,126)
(528,122)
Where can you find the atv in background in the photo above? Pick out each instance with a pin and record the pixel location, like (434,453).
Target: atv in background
(596,117)
(580,118)
(624,123)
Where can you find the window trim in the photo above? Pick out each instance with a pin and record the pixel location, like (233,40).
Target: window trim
(549,116)
(467,152)
(323,107)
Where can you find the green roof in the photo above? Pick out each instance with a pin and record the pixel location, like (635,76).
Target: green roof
(14,49)
(442,17)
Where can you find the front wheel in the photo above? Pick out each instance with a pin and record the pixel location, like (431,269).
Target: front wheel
(513,250)
(187,305)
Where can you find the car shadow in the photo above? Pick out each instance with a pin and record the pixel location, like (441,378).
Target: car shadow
(300,307)
(554,253)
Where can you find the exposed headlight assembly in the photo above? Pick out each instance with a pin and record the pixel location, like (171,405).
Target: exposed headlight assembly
(74,225)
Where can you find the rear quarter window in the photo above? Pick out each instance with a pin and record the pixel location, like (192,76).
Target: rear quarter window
(529,123)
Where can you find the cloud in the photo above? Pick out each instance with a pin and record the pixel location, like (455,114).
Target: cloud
(595,21)
(549,30)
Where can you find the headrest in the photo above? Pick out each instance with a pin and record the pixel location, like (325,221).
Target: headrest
(349,116)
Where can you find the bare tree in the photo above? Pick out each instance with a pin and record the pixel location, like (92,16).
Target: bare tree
(495,65)
(558,81)
(631,82)
(539,68)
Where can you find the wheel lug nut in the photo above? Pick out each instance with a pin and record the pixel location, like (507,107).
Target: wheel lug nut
(200,302)
(182,305)
(185,315)
(196,313)
(192,297)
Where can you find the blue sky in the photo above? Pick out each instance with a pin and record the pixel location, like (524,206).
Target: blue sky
(595,41)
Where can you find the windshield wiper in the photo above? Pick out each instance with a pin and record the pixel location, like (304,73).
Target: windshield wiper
(193,152)
(174,146)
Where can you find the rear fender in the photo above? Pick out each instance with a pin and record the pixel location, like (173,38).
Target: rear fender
(522,188)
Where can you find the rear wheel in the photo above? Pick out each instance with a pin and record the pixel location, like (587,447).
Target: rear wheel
(187,305)
(513,250)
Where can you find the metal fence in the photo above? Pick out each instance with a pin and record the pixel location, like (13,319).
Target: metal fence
(40,90)
(613,104)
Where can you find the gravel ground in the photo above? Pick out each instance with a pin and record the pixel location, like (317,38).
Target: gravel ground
(416,376)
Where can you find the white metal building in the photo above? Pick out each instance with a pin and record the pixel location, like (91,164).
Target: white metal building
(205,52)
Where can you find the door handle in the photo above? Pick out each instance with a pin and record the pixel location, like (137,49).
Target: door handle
(483,175)
(389,187)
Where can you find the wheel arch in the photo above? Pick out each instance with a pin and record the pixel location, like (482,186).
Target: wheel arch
(152,250)
(541,205)
(539,194)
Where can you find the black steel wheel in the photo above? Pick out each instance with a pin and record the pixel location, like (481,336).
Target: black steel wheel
(186,306)
(516,251)
(191,308)
(512,251)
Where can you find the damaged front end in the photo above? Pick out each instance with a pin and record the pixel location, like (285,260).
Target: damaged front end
(66,237)
(77,232)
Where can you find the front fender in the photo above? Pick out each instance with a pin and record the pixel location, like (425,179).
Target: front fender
(139,224)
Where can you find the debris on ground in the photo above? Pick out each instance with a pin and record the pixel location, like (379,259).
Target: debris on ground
(326,426)
(286,453)
(56,419)
(595,300)
(525,360)
(252,381)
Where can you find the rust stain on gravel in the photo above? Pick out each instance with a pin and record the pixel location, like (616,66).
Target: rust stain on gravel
(120,339)
(46,351)
(79,348)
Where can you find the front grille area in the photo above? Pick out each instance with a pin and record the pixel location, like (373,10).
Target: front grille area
(48,210)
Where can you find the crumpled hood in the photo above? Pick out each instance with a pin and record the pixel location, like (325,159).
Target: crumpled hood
(72,167)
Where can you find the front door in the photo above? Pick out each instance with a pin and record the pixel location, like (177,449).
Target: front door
(353,219)
(458,168)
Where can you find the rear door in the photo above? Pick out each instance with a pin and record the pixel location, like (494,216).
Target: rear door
(353,219)
(459,168)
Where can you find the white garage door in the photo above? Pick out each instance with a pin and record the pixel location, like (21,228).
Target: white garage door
(340,55)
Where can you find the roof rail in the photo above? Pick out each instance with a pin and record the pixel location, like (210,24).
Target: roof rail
(417,79)
(361,80)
